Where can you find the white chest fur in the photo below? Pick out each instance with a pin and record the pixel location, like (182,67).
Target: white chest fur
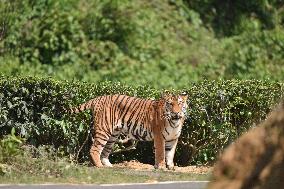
(172,130)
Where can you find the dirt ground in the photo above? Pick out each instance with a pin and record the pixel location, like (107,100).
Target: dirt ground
(141,166)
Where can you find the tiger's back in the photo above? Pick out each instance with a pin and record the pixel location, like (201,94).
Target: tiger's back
(124,114)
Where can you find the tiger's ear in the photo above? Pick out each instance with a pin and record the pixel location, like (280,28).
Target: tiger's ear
(166,95)
(184,96)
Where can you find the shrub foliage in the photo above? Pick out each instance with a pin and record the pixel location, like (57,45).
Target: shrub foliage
(219,111)
(161,43)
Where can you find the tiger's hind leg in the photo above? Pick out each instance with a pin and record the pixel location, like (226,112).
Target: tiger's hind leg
(107,150)
(100,140)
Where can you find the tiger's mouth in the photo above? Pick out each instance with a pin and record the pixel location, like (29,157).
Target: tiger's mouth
(173,117)
(176,117)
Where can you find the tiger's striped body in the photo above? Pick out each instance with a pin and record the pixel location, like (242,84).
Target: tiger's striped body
(139,119)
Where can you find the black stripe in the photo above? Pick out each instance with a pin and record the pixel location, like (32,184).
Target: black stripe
(172,125)
(105,134)
(170,140)
(151,136)
(168,148)
(96,101)
(108,99)
(122,111)
(131,105)
(116,106)
(100,138)
(100,112)
(163,136)
(99,143)
(112,112)
(137,118)
(145,134)
(167,131)
(141,116)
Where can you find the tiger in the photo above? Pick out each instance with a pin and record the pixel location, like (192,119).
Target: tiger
(139,119)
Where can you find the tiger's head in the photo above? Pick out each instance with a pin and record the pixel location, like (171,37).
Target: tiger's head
(174,106)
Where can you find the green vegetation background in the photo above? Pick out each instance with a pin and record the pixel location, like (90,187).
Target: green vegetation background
(161,43)
(229,56)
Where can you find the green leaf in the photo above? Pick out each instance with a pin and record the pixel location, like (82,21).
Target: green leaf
(10,105)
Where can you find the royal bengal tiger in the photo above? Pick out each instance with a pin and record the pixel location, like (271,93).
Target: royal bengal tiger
(139,119)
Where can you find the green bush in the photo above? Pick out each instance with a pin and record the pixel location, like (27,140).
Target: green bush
(36,37)
(256,55)
(9,149)
(106,40)
(229,18)
(167,44)
(219,111)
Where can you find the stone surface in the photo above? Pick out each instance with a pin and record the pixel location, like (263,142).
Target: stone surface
(256,159)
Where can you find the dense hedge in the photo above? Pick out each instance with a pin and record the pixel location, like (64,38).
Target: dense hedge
(219,111)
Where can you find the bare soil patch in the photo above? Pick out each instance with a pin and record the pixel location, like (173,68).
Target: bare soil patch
(141,166)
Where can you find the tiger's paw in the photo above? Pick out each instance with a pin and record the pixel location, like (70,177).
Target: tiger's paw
(171,167)
(99,166)
(160,166)
(105,162)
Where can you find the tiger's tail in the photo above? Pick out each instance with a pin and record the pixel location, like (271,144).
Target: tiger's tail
(85,106)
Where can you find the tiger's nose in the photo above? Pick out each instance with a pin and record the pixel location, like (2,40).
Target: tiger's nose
(176,115)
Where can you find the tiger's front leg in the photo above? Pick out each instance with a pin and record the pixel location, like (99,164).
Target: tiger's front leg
(170,153)
(159,145)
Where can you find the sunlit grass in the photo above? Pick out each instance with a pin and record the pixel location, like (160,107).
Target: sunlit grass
(45,166)
(59,172)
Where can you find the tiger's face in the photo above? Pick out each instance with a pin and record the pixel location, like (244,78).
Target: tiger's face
(175,106)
